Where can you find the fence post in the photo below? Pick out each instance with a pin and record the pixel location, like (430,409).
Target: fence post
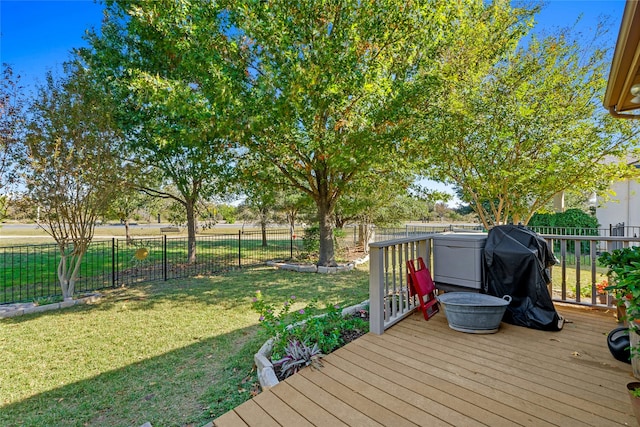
(239,248)
(164,257)
(114,280)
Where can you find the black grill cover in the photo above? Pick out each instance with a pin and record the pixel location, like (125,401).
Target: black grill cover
(516,262)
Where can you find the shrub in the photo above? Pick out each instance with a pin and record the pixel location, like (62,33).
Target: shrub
(305,325)
(571,218)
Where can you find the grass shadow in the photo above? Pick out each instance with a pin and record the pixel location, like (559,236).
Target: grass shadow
(188,386)
(172,353)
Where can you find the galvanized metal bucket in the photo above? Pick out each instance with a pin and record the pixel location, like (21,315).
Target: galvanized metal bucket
(473,312)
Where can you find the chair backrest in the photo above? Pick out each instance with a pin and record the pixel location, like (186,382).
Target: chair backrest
(421,278)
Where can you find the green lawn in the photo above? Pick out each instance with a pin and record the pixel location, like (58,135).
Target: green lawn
(173,353)
(28,272)
(585,280)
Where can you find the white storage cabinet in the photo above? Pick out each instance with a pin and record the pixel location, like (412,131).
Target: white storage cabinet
(457,260)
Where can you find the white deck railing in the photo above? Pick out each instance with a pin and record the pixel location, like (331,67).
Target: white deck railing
(389,300)
(574,278)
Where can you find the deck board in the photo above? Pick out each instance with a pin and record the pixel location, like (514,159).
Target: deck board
(279,410)
(536,397)
(252,414)
(306,406)
(355,399)
(341,410)
(424,373)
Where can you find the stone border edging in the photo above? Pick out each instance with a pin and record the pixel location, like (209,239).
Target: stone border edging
(312,268)
(28,308)
(266,374)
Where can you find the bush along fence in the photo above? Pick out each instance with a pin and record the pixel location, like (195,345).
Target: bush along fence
(28,272)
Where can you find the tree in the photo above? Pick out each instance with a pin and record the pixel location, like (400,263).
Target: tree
(527,128)
(125,204)
(227,212)
(168,64)
(334,84)
(433,199)
(379,200)
(294,205)
(12,122)
(72,170)
(260,207)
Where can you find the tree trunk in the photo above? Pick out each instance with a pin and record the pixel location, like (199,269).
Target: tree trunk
(126,230)
(62,276)
(68,269)
(263,228)
(191,231)
(291,217)
(327,252)
(361,235)
(515,218)
(264,219)
(364,236)
(74,269)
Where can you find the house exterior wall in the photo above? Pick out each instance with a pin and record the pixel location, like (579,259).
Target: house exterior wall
(623,207)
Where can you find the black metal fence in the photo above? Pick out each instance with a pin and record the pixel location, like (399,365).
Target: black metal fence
(29,272)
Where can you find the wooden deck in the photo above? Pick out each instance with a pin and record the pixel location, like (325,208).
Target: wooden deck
(423,373)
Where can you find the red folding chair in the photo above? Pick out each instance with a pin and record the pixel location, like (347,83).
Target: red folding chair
(421,284)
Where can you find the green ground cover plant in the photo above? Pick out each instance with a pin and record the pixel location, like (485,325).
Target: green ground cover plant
(314,330)
(171,353)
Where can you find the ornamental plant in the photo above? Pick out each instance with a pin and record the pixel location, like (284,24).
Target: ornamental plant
(305,325)
(624,278)
(275,322)
(624,284)
(297,356)
(601,287)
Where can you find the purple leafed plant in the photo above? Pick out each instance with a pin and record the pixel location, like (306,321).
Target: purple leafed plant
(298,355)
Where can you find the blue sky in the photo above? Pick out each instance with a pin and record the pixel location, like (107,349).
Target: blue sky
(37,35)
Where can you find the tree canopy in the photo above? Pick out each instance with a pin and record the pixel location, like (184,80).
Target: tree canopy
(528,128)
(71,170)
(13,104)
(168,66)
(335,85)
(344,98)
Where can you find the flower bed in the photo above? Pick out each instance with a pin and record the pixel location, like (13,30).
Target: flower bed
(303,341)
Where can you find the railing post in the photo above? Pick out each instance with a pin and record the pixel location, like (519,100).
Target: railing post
(376,290)
(577,249)
(239,248)
(593,261)
(291,245)
(424,252)
(563,266)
